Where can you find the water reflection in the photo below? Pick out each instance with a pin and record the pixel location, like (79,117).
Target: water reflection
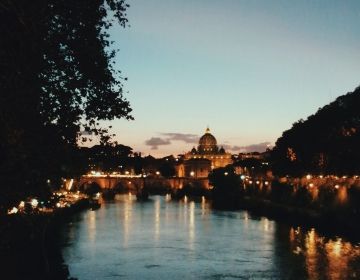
(330,258)
(246,219)
(192,225)
(157,219)
(266,224)
(168,197)
(127,213)
(203,206)
(163,239)
(92,226)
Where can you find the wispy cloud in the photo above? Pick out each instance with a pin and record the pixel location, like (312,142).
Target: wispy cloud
(187,138)
(260,147)
(155,142)
(231,148)
(168,137)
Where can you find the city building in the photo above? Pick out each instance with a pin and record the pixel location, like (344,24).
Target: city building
(199,162)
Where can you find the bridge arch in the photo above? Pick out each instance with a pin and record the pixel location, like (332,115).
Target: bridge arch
(90,187)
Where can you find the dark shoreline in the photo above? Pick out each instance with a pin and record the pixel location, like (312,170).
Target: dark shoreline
(327,222)
(30,244)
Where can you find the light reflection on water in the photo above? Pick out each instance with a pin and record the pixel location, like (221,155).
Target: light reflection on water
(329,258)
(163,239)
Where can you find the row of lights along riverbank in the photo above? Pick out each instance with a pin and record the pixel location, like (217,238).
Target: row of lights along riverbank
(57,200)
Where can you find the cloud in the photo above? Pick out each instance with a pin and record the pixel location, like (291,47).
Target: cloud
(187,138)
(261,147)
(231,148)
(155,142)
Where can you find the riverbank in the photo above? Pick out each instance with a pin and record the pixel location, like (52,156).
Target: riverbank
(29,244)
(295,207)
(329,221)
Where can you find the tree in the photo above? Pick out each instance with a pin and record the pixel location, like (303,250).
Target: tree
(167,169)
(227,188)
(57,79)
(326,143)
(106,158)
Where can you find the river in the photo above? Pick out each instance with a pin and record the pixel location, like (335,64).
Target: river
(164,239)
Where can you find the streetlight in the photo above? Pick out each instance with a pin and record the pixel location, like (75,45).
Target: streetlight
(34,203)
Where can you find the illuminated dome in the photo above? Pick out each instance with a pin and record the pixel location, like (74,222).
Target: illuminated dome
(207,143)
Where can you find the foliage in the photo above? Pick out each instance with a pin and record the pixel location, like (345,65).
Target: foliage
(167,167)
(227,187)
(57,78)
(253,167)
(326,143)
(107,158)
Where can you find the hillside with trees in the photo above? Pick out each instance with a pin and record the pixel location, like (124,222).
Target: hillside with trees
(327,142)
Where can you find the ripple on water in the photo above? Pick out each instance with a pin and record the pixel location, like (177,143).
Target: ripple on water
(172,240)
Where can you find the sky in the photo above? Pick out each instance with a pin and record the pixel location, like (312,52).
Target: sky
(248,69)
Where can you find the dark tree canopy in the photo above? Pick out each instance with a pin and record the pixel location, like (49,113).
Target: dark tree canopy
(107,158)
(57,78)
(227,188)
(328,142)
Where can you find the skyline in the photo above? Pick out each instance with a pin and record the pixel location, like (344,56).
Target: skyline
(246,69)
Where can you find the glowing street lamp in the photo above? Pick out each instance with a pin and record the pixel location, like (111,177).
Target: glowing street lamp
(34,202)
(14,210)
(22,204)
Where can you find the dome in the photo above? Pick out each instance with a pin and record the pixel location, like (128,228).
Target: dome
(207,143)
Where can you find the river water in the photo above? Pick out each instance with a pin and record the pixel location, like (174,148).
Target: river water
(164,239)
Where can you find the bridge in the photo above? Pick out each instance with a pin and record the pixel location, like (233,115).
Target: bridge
(133,183)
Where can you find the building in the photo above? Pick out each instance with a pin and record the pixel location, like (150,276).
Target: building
(199,162)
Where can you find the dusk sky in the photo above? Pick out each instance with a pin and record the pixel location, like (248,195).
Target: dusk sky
(247,69)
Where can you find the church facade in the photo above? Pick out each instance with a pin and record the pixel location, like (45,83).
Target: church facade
(199,162)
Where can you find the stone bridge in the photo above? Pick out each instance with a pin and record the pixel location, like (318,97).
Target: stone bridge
(135,183)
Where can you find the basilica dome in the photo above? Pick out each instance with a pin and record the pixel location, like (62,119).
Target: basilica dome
(207,143)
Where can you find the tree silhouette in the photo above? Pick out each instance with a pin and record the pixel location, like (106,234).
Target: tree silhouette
(326,143)
(57,79)
(227,188)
